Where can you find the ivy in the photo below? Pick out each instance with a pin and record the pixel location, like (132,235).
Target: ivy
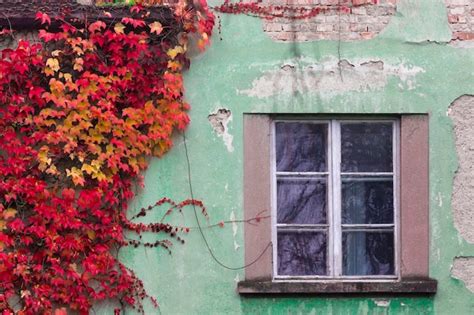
(81,111)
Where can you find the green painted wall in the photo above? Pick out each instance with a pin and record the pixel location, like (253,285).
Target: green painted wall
(189,281)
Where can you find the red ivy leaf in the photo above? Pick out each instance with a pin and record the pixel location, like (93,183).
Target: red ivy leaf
(97,26)
(43,17)
(134,22)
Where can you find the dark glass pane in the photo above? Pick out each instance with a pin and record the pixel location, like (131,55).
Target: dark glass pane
(366,147)
(301,147)
(301,201)
(368,253)
(367,200)
(302,253)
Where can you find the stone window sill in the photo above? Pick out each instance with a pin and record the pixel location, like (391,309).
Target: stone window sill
(423,286)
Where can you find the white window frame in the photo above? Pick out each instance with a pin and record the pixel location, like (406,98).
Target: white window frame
(333,173)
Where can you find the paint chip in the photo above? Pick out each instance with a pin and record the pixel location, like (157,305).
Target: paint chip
(382,303)
(219,121)
(463,269)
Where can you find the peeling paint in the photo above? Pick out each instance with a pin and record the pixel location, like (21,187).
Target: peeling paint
(332,77)
(219,121)
(440,199)
(463,269)
(234,230)
(462,113)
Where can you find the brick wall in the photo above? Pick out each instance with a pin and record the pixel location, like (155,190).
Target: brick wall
(461,18)
(361,19)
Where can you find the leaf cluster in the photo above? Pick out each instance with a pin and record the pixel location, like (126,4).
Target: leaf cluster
(81,113)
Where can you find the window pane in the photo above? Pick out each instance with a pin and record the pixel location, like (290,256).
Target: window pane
(301,147)
(302,253)
(366,147)
(301,200)
(368,253)
(367,200)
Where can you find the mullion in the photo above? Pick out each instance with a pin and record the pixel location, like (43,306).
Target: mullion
(336,199)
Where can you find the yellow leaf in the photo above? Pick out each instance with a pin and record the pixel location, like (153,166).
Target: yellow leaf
(90,234)
(67,77)
(78,63)
(48,71)
(9,213)
(53,64)
(118,28)
(52,170)
(174,66)
(88,168)
(77,176)
(78,50)
(99,176)
(43,156)
(175,51)
(156,27)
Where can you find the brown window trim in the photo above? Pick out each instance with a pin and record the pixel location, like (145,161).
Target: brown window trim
(405,286)
(414,216)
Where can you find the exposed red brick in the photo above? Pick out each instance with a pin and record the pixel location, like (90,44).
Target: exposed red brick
(344,20)
(363,2)
(452,18)
(460,13)
(464,35)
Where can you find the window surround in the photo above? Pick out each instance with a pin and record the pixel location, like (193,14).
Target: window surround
(413,256)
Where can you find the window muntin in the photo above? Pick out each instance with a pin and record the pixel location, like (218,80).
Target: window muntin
(335,199)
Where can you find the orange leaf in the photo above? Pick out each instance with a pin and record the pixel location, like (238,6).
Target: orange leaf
(156,28)
(60,311)
(96,26)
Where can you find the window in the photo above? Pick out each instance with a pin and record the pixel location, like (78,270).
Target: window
(334,199)
(347,200)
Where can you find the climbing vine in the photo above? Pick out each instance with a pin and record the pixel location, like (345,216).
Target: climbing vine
(80,113)
(291,12)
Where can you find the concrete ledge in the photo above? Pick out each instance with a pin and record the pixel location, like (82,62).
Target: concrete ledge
(424,286)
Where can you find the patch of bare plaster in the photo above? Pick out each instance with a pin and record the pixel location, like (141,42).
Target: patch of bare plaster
(219,121)
(469,44)
(463,269)
(461,112)
(332,77)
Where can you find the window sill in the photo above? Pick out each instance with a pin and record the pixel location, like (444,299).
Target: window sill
(423,286)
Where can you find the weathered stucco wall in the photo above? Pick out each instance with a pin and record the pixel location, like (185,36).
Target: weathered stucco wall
(406,67)
(409,67)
